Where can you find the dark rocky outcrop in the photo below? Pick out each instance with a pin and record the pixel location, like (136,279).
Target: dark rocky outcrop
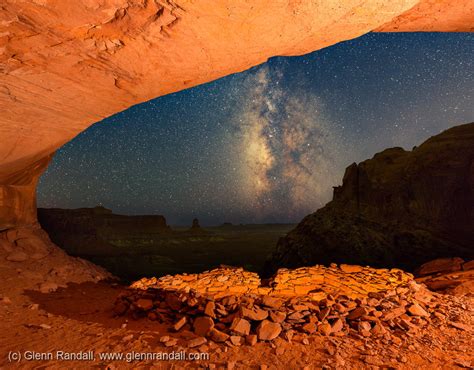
(400,208)
(195,225)
(88,231)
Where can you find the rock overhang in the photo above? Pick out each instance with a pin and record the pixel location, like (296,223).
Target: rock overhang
(67,65)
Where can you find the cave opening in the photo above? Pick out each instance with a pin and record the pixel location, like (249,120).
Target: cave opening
(364,150)
(248,156)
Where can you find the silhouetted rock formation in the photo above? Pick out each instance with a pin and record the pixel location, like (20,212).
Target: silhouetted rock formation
(400,208)
(195,225)
(87,230)
(196,229)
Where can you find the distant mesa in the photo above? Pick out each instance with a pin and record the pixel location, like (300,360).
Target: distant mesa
(86,231)
(398,209)
(101,210)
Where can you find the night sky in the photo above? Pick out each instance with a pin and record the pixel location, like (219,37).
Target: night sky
(268,144)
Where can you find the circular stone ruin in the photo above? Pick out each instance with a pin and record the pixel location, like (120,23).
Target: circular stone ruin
(232,306)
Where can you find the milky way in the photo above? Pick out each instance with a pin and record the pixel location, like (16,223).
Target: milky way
(288,152)
(268,144)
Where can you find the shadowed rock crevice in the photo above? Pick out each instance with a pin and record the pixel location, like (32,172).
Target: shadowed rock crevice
(398,209)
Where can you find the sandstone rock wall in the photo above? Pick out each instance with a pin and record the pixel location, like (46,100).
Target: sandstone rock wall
(65,65)
(29,260)
(18,195)
(397,209)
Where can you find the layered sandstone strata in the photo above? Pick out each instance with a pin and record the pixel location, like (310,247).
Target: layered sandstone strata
(65,65)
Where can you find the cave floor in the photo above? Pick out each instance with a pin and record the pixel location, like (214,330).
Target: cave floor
(79,317)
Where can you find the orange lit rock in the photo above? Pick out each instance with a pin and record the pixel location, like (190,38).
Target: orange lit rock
(351,268)
(240,326)
(237,340)
(310,327)
(324,329)
(468,266)
(209,309)
(370,302)
(218,336)
(180,323)
(251,340)
(453,280)
(319,281)
(196,342)
(68,64)
(268,330)
(443,265)
(337,326)
(203,325)
(255,313)
(145,304)
(278,316)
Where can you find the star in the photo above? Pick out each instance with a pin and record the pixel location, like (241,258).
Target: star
(268,144)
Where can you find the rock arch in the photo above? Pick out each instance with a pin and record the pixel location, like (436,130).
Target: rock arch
(65,65)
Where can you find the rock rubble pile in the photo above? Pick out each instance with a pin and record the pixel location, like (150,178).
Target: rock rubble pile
(231,306)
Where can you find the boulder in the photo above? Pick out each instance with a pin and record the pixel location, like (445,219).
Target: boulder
(268,330)
(350,268)
(416,310)
(196,342)
(218,336)
(209,309)
(309,328)
(440,265)
(240,326)
(251,339)
(203,325)
(356,313)
(468,265)
(337,326)
(278,316)
(144,304)
(364,326)
(180,323)
(271,302)
(255,313)
(324,329)
(237,340)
